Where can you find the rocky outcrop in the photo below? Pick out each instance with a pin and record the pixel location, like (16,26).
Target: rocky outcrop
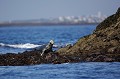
(34,57)
(101,46)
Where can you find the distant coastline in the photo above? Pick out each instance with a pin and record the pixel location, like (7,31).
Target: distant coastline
(41,24)
(62,20)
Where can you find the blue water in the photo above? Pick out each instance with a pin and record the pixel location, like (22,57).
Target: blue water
(18,39)
(91,70)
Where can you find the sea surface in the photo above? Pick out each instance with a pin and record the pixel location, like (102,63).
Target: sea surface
(88,70)
(18,39)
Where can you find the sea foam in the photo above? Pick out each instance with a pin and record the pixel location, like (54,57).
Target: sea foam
(23,46)
(26,45)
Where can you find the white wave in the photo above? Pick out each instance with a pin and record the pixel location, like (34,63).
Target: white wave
(55,46)
(27,45)
(24,46)
(2,44)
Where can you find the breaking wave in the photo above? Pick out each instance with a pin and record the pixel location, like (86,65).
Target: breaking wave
(27,45)
(23,46)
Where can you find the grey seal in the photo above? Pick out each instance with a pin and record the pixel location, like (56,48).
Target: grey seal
(48,47)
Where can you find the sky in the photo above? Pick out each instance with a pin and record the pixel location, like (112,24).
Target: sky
(36,9)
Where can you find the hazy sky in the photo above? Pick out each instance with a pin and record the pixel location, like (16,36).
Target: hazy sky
(35,9)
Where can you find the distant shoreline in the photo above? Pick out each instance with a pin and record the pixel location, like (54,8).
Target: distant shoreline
(41,24)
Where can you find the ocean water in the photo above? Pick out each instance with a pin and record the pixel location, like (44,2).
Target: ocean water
(18,39)
(88,70)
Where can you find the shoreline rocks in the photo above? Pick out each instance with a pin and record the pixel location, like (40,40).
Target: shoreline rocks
(101,46)
(34,57)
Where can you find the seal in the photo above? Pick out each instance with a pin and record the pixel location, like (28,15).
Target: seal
(48,47)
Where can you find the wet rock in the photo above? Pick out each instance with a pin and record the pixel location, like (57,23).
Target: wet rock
(101,58)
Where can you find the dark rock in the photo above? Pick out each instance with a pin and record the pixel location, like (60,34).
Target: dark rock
(118,11)
(105,39)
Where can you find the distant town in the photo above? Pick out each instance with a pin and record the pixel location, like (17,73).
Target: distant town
(62,20)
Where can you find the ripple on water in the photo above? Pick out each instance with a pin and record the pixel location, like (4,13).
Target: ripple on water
(89,70)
